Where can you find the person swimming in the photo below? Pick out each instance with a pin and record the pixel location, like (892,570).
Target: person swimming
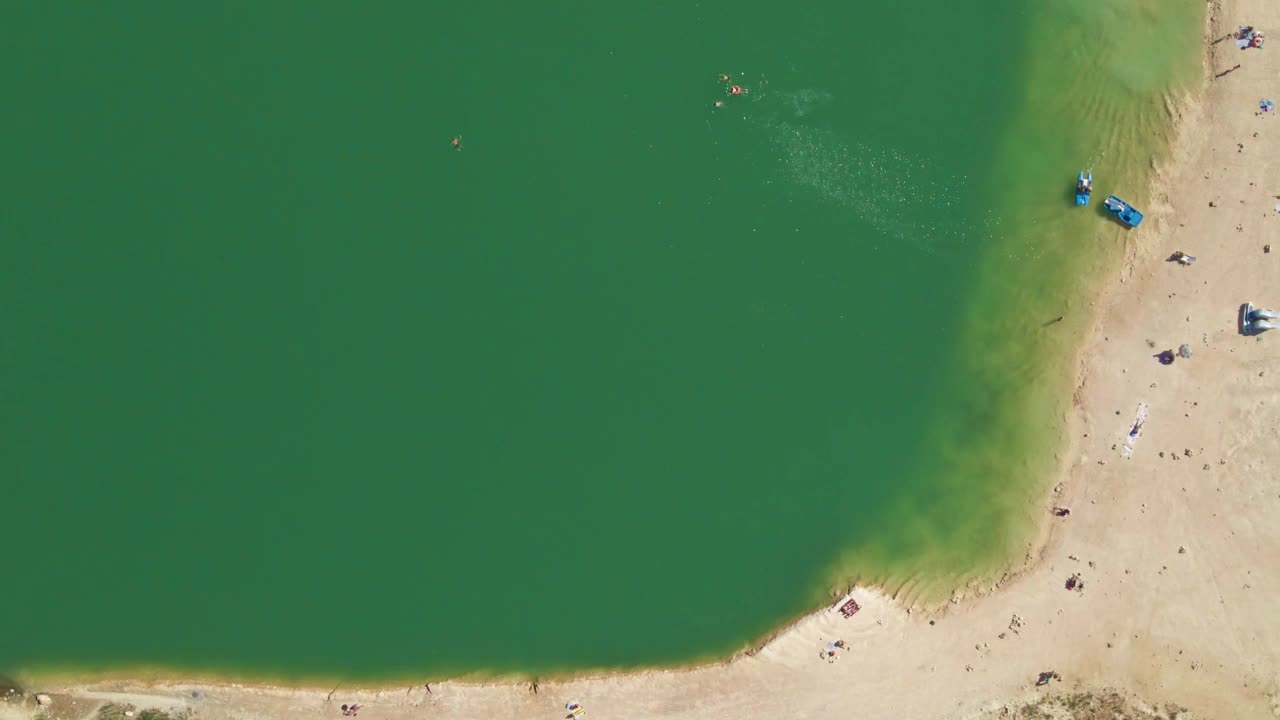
(737,90)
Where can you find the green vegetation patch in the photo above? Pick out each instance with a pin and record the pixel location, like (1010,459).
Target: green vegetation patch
(114,711)
(1103,705)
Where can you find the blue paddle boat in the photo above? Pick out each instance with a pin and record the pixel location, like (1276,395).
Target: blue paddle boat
(1084,188)
(1125,212)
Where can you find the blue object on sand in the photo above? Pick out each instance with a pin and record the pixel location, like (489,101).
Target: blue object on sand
(1125,212)
(1266,105)
(1082,196)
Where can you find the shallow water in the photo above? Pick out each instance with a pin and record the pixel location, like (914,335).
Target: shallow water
(1101,98)
(291,387)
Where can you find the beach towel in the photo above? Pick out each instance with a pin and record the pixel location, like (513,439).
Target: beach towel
(1134,430)
(849,608)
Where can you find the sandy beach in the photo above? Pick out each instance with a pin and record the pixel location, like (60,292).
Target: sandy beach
(1177,546)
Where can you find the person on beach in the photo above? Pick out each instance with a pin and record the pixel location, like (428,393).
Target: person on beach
(1047,676)
(1062,511)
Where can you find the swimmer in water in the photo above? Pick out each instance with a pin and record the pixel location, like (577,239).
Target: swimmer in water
(719,104)
(737,90)
(724,78)
(457,143)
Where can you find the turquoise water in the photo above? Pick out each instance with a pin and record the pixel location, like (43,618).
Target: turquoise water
(294,388)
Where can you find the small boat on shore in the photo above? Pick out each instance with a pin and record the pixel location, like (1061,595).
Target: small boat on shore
(1123,211)
(1084,188)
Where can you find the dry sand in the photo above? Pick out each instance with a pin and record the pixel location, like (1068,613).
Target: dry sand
(1179,547)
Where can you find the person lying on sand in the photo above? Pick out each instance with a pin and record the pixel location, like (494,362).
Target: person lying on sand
(1047,676)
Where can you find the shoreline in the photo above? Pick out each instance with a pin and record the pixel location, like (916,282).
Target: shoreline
(905,595)
(1074,464)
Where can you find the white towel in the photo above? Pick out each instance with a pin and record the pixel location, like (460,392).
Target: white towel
(1134,430)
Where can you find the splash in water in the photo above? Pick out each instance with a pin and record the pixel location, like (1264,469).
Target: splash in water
(886,188)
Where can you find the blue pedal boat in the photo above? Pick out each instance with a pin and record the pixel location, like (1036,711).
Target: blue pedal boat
(1125,212)
(1084,188)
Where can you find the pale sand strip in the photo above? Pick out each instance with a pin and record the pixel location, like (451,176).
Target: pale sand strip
(1198,628)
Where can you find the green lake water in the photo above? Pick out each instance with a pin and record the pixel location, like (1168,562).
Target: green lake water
(292,388)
